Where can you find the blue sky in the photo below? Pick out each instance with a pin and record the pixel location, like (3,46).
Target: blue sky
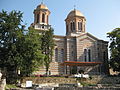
(102,15)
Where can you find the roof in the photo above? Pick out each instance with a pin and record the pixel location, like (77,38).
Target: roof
(75,13)
(76,63)
(96,37)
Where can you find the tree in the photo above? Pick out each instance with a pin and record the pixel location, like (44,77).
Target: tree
(29,47)
(115,49)
(47,48)
(9,24)
(18,50)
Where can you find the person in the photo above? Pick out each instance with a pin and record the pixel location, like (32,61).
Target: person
(49,72)
(81,72)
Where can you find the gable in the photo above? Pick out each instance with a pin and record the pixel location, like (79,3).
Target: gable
(87,36)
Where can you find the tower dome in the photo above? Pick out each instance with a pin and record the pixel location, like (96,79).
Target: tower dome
(75,23)
(42,6)
(75,13)
(41,17)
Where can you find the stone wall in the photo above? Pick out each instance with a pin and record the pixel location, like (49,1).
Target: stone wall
(42,80)
(62,83)
(2,84)
(103,80)
(86,88)
(60,80)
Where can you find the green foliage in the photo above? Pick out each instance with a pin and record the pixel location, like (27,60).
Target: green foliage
(17,49)
(115,49)
(29,47)
(9,24)
(10,86)
(47,47)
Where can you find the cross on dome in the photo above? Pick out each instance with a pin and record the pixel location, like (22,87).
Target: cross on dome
(42,1)
(74,7)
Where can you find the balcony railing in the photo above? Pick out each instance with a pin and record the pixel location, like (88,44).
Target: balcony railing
(42,26)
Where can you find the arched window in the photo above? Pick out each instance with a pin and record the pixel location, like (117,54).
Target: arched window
(38,17)
(89,55)
(104,56)
(43,17)
(85,55)
(66,29)
(62,55)
(72,56)
(72,53)
(71,26)
(56,55)
(80,26)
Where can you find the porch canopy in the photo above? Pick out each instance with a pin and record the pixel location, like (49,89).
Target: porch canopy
(76,63)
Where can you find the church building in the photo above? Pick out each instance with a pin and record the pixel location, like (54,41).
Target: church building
(77,50)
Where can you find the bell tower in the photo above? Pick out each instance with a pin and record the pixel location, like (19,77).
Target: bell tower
(41,17)
(75,23)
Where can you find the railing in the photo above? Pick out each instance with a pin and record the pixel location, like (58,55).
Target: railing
(42,26)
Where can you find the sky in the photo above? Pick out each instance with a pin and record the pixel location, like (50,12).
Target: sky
(102,16)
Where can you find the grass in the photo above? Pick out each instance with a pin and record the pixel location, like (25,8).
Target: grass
(10,86)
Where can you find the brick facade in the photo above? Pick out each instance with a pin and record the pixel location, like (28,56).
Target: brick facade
(77,45)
